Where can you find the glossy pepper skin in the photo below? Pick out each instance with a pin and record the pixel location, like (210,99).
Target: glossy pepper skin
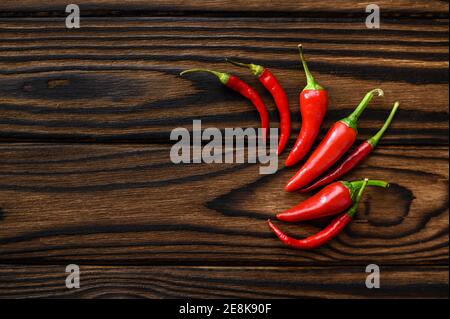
(317,240)
(270,82)
(325,235)
(331,200)
(236,84)
(313,101)
(355,157)
(339,138)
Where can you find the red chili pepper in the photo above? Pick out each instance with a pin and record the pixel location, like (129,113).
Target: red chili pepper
(339,138)
(331,200)
(331,231)
(313,106)
(233,82)
(355,157)
(270,82)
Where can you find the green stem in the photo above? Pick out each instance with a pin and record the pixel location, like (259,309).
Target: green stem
(352,211)
(371,182)
(355,186)
(256,69)
(310,82)
(352,119)
(223,77)
(376,138)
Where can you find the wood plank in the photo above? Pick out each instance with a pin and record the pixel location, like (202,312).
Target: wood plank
(128,204)
(117,79)
(345,6)
(24,281)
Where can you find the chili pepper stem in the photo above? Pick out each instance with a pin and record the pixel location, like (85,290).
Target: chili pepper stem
(373,141)
(310,82)
(355,186)
(255,68)
(352,211)
(352,119)
(223,77)
(374,182)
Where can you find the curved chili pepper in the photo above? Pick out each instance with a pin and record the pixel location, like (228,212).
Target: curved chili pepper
(331,231)
(339,138)
(355,157)
(313,106)
(236,84)
(270,82)
(331,200)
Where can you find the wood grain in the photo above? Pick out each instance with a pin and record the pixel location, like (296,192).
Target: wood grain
(85,175)
(117,80)
(128,204)
(344,7)
(24,281)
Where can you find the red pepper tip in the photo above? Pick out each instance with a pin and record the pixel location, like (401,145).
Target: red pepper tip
(292,159)
(288,161)
(289,187)
(272,226)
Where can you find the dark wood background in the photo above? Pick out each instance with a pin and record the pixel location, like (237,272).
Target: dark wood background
(85,175)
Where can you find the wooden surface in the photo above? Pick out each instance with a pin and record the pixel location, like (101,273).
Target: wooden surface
(222,282)
(85,173)
(174,7)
